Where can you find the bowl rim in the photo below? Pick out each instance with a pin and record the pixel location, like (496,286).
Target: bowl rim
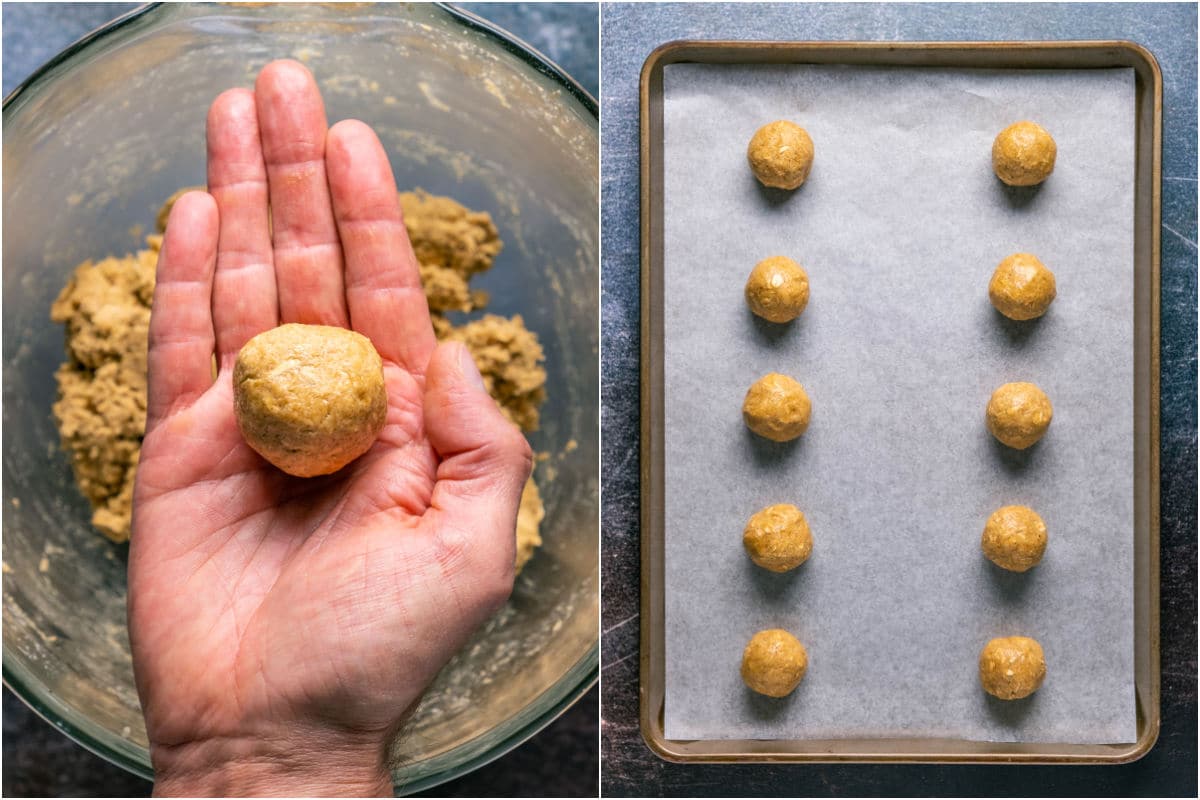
(587,667)
(588,664)
(512,44)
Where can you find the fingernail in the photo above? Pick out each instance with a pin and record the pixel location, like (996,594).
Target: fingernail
(466,365)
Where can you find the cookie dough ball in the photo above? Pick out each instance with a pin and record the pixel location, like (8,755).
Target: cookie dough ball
(780,154)
(1012,667)
(309,398)
(1014,538)
(777,538)
(777,408)
(1023,154)
(777,289)
(1021,287)
(1018,414)
(774,663)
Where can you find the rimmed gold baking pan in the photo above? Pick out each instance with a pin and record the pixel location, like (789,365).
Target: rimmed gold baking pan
(1147,222)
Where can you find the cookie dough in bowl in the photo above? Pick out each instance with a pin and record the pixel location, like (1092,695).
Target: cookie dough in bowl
(105,307)
(780,154)
(309,398)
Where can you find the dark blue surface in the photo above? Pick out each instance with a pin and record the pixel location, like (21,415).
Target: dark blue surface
(560,761)
(629,33)
(556,31)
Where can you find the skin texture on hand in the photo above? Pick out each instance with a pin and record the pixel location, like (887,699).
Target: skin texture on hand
(282,627)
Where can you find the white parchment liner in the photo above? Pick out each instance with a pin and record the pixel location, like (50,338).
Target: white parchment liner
(899,227)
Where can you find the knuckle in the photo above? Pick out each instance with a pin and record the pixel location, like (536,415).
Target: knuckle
(497,587)
(452,546)
(516,450)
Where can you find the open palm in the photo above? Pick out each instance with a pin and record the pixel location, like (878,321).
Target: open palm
(281,627)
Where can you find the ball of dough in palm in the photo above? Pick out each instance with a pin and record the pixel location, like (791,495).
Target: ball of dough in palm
(774,663)
(777,408)
(1012,667)
(780,154)
(1023,154)
(309,398)
(778,538)
(1022,287)
(1014,538)
(1018,414)
(777,289)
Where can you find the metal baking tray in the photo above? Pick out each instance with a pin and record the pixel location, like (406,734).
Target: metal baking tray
(1147,224)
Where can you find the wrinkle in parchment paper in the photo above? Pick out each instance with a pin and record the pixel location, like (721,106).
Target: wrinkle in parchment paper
(899,227)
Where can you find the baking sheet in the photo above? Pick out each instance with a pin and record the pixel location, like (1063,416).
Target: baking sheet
(899,227)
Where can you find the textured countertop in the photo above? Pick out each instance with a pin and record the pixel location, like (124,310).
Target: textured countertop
(562,760)
(629,34)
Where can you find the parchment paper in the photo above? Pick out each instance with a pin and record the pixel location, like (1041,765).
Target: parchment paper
(899,226)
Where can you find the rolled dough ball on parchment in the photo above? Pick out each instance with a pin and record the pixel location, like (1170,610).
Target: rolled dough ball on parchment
(1018,414)
(1014,538)
(777,408)
(780,154)
(774,663)
(1012,667)
(1023,154)
(777,289)
(778,538)
(309,398)
(1022,287)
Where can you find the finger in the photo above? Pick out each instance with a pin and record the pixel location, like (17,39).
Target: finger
(485,460)
(308,254)
(383,282)
(244,302)
(179,359)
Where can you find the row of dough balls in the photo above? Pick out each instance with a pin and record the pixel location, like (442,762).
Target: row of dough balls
(781,154)
(778,538)
(1010,668)
(1022,288)
(777,407)
(1014,537)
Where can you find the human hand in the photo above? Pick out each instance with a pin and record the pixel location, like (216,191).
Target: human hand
(282,627)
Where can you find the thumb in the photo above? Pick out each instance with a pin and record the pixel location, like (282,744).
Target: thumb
(485,460)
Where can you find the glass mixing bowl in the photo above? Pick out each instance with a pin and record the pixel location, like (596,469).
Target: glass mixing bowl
(95,142)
